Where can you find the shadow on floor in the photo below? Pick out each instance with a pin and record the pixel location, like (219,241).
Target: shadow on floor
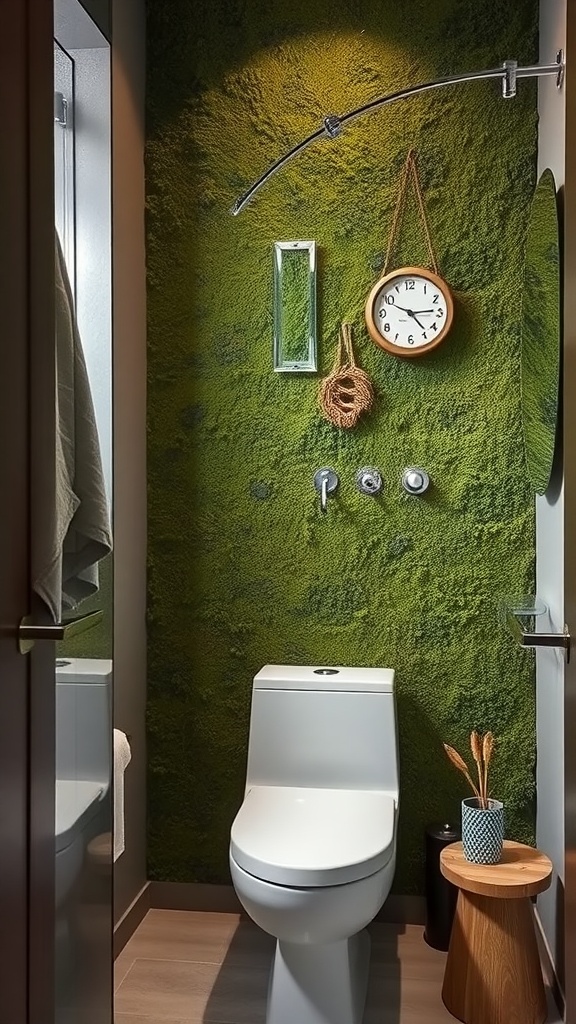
(240,989)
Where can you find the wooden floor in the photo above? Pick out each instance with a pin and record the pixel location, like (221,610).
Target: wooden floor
(189,968)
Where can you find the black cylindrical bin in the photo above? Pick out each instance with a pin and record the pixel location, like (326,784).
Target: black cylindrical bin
(441,895)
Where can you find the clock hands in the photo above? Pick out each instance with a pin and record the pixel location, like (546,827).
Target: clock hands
(412,314)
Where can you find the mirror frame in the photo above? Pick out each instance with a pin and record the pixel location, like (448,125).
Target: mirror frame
(282,363)
(541,334)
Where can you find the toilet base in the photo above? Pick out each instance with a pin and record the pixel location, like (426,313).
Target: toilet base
(319,984)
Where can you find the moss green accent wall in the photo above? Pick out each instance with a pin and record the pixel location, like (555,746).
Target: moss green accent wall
(243,568)
(96,642)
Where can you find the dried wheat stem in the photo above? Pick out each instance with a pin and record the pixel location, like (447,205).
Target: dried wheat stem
(461,765)
(487,751)
(476,748)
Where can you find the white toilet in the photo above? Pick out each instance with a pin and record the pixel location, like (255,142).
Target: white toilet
(83,756)
(313,846)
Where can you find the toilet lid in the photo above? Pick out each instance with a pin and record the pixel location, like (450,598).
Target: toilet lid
(313,837)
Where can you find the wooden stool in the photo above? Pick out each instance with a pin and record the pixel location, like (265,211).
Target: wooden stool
(493,973)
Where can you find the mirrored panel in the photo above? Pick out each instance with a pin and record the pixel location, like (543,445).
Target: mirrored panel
(541,334)
(83,588)
(295,307)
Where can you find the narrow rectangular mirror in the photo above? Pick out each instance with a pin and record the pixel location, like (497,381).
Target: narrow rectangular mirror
(295,307)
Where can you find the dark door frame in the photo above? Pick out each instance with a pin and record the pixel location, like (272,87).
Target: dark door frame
(26,412)
(570,515)
(14,524)
(42,492)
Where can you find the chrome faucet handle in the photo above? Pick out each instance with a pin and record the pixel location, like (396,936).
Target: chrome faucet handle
(369,480)
(326,481)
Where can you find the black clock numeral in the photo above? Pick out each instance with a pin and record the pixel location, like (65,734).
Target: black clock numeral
(440,312)
(425,286)
(434,327)
(409,286)
(381,312)
(435,299)
(395,337)
(424,335)
(398,288)
(410,339)
(386,327)
(390,300)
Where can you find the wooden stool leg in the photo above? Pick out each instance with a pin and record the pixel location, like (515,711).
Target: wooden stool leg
(493,973)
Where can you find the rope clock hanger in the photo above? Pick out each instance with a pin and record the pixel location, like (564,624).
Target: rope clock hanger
(332,125)
(347,392)
(409,311)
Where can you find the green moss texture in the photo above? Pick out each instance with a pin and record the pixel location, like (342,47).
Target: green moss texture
(541,333)
(244,569)
(98,641)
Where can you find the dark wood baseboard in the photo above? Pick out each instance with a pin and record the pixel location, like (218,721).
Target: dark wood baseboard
(215,899)
(222,899)
(131,918)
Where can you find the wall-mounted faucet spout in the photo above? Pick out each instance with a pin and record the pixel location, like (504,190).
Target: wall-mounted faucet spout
(324,494)
(325,481)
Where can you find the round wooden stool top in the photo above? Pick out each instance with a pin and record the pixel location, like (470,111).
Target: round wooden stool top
(523,871)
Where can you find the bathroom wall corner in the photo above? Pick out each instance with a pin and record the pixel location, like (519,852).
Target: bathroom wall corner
(550,555)
(129,326)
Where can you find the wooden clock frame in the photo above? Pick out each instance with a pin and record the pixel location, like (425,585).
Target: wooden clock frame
(375,334)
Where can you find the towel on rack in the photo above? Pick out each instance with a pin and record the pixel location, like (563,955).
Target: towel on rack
(76,534)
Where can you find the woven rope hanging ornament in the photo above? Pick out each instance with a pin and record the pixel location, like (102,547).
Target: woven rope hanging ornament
(409,311)
(347,392)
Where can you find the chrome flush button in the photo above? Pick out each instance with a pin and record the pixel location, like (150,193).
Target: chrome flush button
(415,480)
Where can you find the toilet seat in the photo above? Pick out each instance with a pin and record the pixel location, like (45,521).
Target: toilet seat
(304,837)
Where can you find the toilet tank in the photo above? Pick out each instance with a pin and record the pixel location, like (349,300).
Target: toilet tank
(323,727)
(84,720)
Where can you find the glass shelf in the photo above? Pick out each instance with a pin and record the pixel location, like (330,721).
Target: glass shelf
(519,616)
(523,605)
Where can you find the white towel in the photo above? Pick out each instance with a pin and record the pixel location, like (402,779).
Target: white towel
(122,757)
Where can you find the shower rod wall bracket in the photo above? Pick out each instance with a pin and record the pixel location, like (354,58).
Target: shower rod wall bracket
(333,124)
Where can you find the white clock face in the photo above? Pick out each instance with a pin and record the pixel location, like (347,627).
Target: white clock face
(410,312)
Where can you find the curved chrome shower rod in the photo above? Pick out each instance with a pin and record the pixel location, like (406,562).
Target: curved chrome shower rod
(333,125)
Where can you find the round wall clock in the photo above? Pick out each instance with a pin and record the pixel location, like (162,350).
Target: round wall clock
(409,311)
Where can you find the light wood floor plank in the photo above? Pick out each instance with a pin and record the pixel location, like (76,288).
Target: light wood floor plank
(131,1018)
(414,1001)
(404,952)
(195,992)
(249,946)
(182,967)
(122,965)
(182,935)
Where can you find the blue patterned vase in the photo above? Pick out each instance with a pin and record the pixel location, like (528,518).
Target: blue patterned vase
(482,831)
